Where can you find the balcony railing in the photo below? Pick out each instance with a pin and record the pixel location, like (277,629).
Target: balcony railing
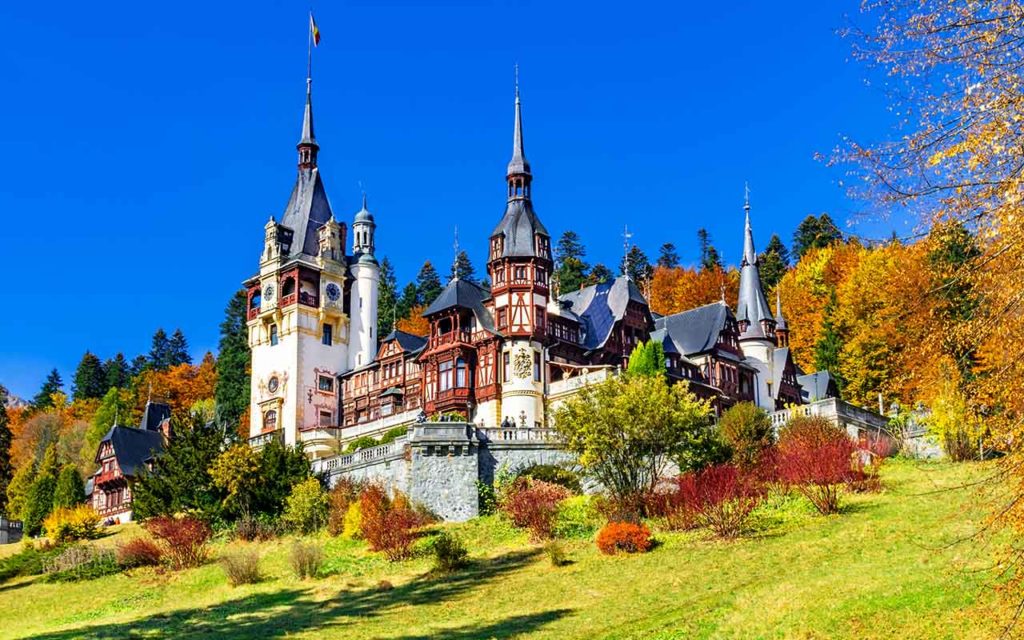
(265,438)
(289,299)
(108,476)
(309,299)
(516,434)
(391,449)
(451,337)
(254,312)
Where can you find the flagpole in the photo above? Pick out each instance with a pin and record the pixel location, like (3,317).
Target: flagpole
(309,51)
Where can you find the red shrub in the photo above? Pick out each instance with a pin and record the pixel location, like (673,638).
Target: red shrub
(623,536)
(720,498)
(816,457)
(533,504)
(139,552)
(184,539)
(388,525)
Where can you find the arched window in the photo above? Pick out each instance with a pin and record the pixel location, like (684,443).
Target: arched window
(270,419)
(288,287)
(254,301)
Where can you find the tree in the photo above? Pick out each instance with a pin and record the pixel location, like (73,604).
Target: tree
(139,364)
(668,257)
(177,349)
(647,359)
(748,431)
(117,372)
(52,385)
(18,489)
(625,430)
(428,284)
(407,301)
(636,265)
(160,351)
(90,380)
(600,274)
(830,344)
(6,437)
(951,258)
(39,501)
(237,473)
(462,268)
(70,490)
(231,391)
(281,468)
(180,479)
(414,323)
(815,232)
(387,299)
(709,258)
(570,268)
(773,262)
(115,407)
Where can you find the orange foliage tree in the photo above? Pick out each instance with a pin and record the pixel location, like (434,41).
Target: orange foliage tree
(415,323)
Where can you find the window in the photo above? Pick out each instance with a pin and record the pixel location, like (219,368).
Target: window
(444,378)
(505,365)
(270,419)
(536,367)
(273,334)
(460,373)
(326,418)
(499,275)
(520,273)
(325,384)
(540,275)
(502,318)
(328,336)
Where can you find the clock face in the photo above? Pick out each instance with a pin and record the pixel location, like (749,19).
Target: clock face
(268,293)
(333,292)
(273,384)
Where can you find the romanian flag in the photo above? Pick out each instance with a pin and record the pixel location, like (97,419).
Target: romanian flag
(314,30)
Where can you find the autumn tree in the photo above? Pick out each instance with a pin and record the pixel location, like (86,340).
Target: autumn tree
(6,437)
(415,323)
(231,390)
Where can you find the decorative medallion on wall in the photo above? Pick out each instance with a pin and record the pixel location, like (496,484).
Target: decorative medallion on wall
(273,384)
(522,364)
(268,293)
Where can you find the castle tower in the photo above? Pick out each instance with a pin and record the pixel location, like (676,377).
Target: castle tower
(756,323)
(520,266)
(365,273)
(298,320)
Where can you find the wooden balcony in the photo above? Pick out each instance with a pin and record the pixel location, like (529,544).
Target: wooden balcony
(309,299)
(291,298)
(108,476)
(452,337)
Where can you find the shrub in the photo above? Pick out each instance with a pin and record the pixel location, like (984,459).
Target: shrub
(576,517)
(80,562)
(393,434)
(185,539)
(388,525)
(70,490)
(241,567)
(306,559)
(677,504)
(815,456)
(624,536)
(342,496)
(533,505)
(623,508)
(139,552)
(487,498)
(27,562)
(554,475)
(67,524)
(449,553)
(748,431)
(724,497)
(362,442)
(253,528)
(556,554)
(353,527)
(306,508)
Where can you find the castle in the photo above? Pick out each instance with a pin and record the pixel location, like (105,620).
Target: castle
(498,357)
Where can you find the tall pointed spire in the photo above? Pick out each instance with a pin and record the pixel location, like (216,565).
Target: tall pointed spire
(752,308)
(749,255)
(308,146)
(518,166)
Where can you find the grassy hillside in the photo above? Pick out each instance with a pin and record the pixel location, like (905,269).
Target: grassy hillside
(879,570)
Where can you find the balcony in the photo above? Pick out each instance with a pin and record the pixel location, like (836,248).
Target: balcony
(291,298)
(452,337)
(254,313)
(108,476)
(309,299)
(264,438)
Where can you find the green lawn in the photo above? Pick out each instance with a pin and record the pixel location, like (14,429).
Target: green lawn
(882,569)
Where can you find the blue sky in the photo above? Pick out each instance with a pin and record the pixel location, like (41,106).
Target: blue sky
(145,144)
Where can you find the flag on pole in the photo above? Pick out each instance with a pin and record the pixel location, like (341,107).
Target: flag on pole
(314,30)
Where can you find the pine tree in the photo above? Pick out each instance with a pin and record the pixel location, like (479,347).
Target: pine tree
(6,437)
(462,268)
(830,345)
(600,274)
(407,301)
(90,380)
(177,349)
(233,365)
(773,263)
(814,233)
(668,257)
(160,351)
(387,299)
(428,284)
(139,364)
(570,269)
(39,501)
(52,385)
(647,359)
(952,258)
(70,490)
(117,372)
(18,489)
(709,258)
(115,407)
(636,265)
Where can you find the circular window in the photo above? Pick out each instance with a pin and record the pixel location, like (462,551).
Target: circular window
(273,384)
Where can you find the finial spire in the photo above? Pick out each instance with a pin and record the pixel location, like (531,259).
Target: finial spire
(746,196)
(517,82)
(518,164)
(307,143)
(626,236)
(455,259)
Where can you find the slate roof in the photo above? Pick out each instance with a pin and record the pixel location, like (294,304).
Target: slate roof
(519,226)
(518,163)
(153,415)
(600,306)
(132,447)
(464,295)
(779,359)
(307,209)
(817,386)
(752,305)
(407,341)
(697,330)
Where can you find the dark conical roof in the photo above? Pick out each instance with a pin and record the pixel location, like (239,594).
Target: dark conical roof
(308,137)
(519,226)
(518,164)
(752,305)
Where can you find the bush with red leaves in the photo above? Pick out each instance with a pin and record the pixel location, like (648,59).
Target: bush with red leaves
(139,552)
(389,525)
(816,456)
(184,539)
(720,497)
(624,536)
(533,504)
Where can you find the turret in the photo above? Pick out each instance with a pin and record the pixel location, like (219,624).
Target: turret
(752,310)
(781,328)
(365,273)
(307,146)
